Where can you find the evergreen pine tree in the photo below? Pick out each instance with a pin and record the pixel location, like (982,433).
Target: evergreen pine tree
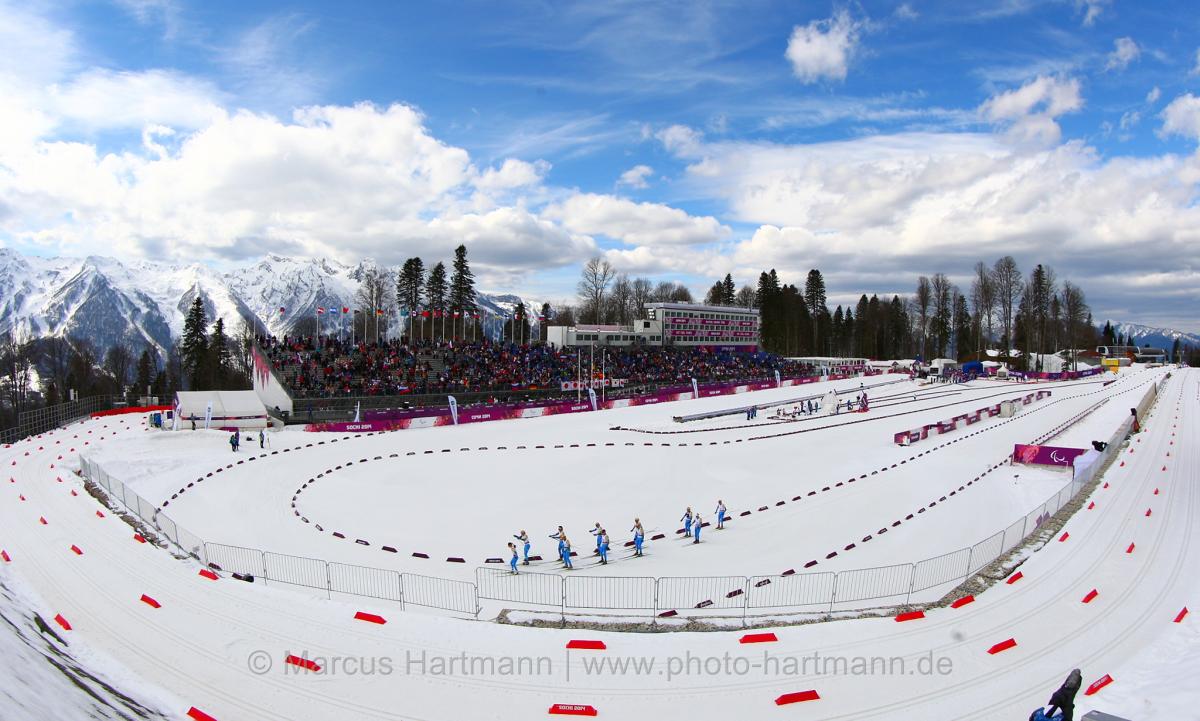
(218,356)
(462,285)
(145,372)
(435,288)
(194,344)
(814,297)
(728,290)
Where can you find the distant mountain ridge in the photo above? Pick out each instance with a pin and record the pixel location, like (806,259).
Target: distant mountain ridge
(1143,335)
(143,303)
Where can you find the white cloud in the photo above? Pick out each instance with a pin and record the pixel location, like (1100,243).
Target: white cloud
(104,99)
(638,224)
(823,49)
(875,212)
(1182,117)
(1125,51)
(680,139)
(147,11)
(1029,111)
(344,182)
(1129,119)
(1196,67)
(636,176)
(1093,9)
(904,11)
(512,174)
(1153,96)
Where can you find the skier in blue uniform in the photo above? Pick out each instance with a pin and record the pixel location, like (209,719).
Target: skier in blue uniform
(720,514)
(603,549)
(524,538)
(566,551)
(512,562)
(697,525)
(561,537)
(597,531)
(639,536)
(687,521)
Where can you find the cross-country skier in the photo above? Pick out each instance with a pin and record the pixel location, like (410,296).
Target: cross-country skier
(262,438)
(603,549)
(566,551)
(512,562)
(597,531)
(561,537)
(720,514)
(233,441)
(687,521)
(638,536)
(697,525)
(524,538)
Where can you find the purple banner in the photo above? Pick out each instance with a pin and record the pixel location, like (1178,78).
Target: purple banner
(1045,455)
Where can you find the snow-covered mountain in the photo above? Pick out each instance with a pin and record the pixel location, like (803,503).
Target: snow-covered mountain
(143,303)
(1143,335)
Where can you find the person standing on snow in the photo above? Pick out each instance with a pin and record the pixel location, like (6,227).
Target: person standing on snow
(1064,697)
(512,562)
(561,537)
(262,437)
(639,536)
(687,521)
(720,514)
(698,525)
(524,538)
(567,552)
(603,548)
(597,531)
(233,441)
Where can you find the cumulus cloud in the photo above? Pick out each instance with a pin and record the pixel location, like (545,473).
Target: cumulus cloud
(1182,117)
(636,176)
(823,49)
(680,139)
(512,174)
(1028,112)
(638,224)
(875,212)
(1153,96)
(1125,51)
(347,182)
(105,99)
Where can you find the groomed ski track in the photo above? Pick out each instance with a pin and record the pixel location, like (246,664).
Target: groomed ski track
(197,646)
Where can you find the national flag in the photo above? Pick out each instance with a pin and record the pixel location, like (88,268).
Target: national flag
(378,311)
(281,309)
(320,311)
(424,314)
(456,314)
(345,309)
(404,312)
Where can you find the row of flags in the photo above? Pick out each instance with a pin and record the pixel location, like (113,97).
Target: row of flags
(405,313)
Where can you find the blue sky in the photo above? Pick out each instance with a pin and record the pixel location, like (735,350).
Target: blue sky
(876,141)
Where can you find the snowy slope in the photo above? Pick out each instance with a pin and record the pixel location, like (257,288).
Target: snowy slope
(221,645)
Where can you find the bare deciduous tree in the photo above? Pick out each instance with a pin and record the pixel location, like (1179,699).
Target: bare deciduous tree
(593,286)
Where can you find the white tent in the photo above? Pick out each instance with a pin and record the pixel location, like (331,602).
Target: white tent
(219,409)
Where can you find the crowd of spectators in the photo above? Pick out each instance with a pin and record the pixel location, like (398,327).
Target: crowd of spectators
(329,367)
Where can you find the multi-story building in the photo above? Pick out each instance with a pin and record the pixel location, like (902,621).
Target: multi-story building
(681,325)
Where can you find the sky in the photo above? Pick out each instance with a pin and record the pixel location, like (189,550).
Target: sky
(876,141)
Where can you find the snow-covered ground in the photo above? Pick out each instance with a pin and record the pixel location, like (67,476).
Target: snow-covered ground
(221,645)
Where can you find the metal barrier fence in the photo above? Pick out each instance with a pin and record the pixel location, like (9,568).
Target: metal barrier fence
(40,420)
(824,591)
